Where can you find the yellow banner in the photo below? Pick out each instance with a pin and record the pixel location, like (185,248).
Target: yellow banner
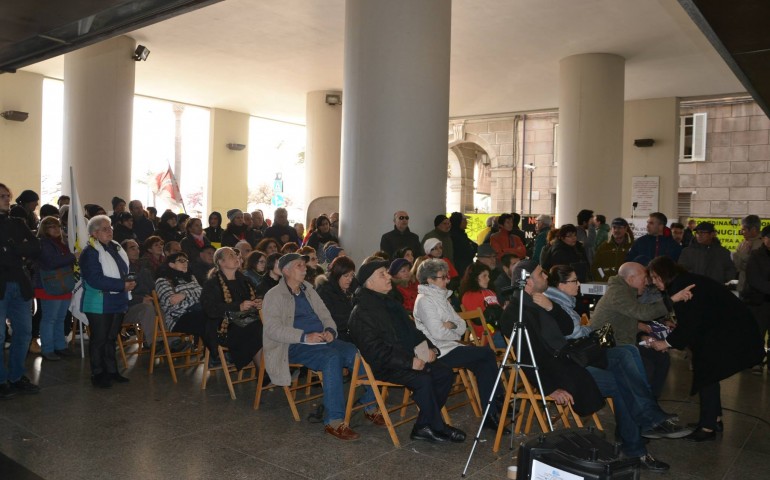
(728,230)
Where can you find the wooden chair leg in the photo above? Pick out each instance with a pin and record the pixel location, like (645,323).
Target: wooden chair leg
(205,379)
(226,372)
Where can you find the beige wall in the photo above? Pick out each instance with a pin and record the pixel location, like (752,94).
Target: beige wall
(228,169)
(20,142)
(657,119)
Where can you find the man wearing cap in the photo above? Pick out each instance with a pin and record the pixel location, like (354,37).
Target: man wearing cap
(611,254)
(543,225)
(298,328)
(441,232)
(655,243)
(584,387)
(400,236)
(756,292)
(486,255)
(386,338)
(143,226)
(706,256)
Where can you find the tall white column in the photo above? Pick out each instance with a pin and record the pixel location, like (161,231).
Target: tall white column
(98,120)
(590,170)
(395,114)
(322,154)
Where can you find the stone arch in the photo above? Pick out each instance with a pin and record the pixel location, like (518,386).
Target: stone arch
(464,175)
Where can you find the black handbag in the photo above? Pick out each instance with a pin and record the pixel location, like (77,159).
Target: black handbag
(242,319)
(590,351)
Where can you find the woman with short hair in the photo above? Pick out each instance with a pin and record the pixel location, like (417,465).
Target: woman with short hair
(214,230)
(152,258)
(195,239)
(566,250)
(106,291)
(435,317)
(179,296)
(168,227)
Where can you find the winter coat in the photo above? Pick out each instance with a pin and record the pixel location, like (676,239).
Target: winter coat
(609,257)
(191,248)
(647,247)
(279,332)
(383,333)
(53,256)
(431,310)
(620,307)
(719,329)
(464,249)
(562,254)
(741,260)
(340,305)
(546,333)
(103,294)
(713,261)
(395,240)
(17,244)
(505,242)
(756,290)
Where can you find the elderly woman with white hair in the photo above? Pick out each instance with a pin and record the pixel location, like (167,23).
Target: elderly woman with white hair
(106,292)
(435,317)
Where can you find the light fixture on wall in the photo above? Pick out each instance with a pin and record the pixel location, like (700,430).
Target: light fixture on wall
(14,115)
(644,142)
(333,99)
(141,53)
(235,146)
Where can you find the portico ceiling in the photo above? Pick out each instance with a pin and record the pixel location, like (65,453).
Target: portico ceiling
(262,56)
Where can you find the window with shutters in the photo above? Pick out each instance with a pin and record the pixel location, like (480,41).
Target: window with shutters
(684,204)
(692,138)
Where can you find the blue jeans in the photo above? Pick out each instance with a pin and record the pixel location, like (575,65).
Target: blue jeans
(19,311)
(636,410)
(52,325)
(330,359)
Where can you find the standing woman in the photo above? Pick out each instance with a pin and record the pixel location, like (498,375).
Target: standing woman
(106,291)
(228,290)
(55,263)
(214,230)
(717,327)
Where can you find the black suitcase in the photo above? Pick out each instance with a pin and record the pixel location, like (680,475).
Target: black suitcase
(573,454)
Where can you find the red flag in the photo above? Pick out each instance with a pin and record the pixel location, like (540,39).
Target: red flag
(165,185)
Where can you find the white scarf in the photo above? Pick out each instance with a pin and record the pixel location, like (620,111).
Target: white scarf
(109,265)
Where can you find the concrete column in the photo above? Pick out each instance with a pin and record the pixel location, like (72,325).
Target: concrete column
(395,116)
(591,90)
(228,169)
(20,142)
(98,120)
(322,154)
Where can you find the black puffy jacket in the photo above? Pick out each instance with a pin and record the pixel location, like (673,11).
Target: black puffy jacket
(339,304)
(384,334)
(17,244)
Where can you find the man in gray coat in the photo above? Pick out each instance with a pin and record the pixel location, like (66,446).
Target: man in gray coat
(706,256)
(627,308)
(298,328)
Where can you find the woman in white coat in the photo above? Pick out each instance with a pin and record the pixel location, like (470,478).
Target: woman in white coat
(435,317)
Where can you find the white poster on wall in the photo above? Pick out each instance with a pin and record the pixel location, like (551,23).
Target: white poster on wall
(645,193)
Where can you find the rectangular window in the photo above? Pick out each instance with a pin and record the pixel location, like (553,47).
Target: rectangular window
(692,138)
(684,204)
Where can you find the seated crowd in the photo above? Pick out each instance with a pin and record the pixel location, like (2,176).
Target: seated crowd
(399,307)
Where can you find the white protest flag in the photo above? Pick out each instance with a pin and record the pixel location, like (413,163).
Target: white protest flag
(77,237)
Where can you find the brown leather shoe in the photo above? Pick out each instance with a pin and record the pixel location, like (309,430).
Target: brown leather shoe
(376,418)
(343,432)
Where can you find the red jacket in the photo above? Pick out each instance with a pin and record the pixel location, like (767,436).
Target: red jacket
(501,243)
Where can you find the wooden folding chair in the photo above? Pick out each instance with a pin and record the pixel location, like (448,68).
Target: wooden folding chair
(380,389)
(465,383)
(160,332)
(486,337)
(228,369)
(138,340)
(312,379)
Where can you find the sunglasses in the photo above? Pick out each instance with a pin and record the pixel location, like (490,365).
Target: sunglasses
(403,217)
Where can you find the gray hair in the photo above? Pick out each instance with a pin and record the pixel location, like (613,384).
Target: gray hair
(95,223)
(431,269)
(751,222)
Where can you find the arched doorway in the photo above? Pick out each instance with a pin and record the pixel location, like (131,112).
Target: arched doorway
(469,179)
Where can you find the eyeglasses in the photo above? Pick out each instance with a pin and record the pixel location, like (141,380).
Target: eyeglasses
(403,217)
(181,260)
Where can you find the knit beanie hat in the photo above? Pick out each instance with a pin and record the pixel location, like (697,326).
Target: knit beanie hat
(233,213)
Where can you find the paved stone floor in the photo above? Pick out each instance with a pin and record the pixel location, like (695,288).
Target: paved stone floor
(152,428)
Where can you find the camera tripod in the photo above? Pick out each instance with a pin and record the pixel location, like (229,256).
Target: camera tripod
(518,333)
